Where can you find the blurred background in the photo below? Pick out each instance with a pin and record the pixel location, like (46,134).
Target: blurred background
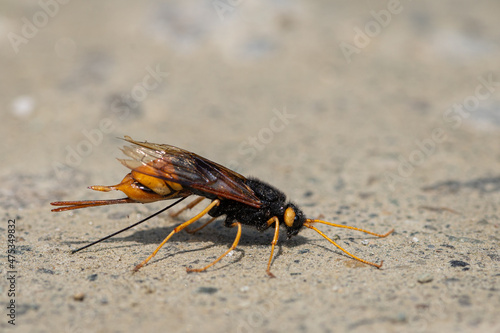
(360,82)
(394,103)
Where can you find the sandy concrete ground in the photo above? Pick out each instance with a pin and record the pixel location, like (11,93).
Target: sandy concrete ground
(379,114)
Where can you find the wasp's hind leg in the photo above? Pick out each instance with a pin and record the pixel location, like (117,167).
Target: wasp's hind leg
(176,230)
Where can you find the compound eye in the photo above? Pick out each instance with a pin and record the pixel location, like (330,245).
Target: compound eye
(289,217)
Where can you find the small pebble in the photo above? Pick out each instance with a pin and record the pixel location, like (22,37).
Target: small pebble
(92,277)
(458,263)
(425,278)
(79,297)
(207,290)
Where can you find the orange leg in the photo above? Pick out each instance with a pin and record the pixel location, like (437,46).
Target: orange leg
(188,206)
(192,231)
(273,243)
(311,221)
(235,243)
(176,230)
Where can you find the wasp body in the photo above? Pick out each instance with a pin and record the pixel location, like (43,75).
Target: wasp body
(163,172)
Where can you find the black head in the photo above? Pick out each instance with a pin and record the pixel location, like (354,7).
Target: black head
(293,219)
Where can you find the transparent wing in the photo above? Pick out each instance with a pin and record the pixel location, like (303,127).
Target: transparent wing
(189,170)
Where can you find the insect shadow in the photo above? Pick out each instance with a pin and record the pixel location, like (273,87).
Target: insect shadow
(217,234)
(482,185)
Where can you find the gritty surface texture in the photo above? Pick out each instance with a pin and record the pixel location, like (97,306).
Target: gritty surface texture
(377,114)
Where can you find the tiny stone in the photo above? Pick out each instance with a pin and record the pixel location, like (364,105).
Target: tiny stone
(458,263)
(425,278)
(401,317)
(79,297)
(207,290)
